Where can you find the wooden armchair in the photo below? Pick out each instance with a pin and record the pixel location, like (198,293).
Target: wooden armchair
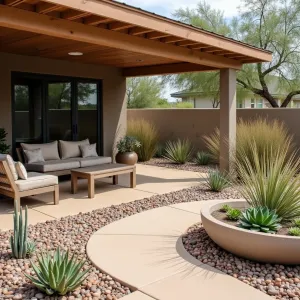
(34,185)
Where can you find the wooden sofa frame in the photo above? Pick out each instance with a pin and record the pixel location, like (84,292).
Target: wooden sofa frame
(9,188)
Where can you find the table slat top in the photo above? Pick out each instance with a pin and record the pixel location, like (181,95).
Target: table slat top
(104,168)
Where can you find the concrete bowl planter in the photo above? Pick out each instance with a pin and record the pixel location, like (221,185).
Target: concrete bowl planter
(262,247)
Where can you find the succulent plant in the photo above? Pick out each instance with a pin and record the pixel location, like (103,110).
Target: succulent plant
(19,243)
(203,158)
(57,274)
(225,208)
(233,214)
(260,219)
(217,181)
(296,222)
(294,231)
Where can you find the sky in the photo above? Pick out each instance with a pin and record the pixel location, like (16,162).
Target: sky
(167,8)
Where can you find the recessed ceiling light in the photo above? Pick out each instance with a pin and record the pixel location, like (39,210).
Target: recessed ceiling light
(75,53)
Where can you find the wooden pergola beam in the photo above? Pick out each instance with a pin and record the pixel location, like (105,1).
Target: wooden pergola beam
(122,13)
(44,8)
(74,15)
(164,69)
(119,26)
(14,2)
(156,35)
(172,39)
(139,31)
(43,24)
(95,20)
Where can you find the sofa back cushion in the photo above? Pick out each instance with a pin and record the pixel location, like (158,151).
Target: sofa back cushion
(70,149)
(49,150)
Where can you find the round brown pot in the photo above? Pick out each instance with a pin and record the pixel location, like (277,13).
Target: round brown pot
(127,158)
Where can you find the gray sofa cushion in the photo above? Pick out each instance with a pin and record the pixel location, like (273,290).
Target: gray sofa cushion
(34,156)
(70,149)
(35,181)
(94,161)
(53,165)
(88,150)
(49,150)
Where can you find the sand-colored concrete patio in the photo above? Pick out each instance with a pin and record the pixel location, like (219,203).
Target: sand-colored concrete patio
(150,181)
(145,252)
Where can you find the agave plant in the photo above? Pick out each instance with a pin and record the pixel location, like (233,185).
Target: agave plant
(260,219)
(203,158)
(217,181)
(19,243)
(179,151)
(58,274)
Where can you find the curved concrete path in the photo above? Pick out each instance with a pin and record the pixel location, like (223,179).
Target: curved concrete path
(145,252)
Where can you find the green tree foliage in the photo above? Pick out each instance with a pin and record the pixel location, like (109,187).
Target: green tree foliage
(144,92)
(269,24)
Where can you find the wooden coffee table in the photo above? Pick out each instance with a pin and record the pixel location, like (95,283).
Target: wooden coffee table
(101,171)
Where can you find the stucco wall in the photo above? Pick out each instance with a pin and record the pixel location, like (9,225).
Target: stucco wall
(114,89)
(194,123)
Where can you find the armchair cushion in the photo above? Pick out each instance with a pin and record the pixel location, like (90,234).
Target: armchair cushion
(35,181)
(22,173)
(11,165)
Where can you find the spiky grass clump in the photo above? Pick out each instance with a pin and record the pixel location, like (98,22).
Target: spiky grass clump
(267,135)
(217,181)
(296,222)
(58,273)
(178,152)
(233,214)
(160,151)
(147,134)
(203,158)
(294,231)
(271,180)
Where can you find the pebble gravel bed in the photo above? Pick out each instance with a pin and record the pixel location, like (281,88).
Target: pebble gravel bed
(281,282)
(73,232)
(189,166)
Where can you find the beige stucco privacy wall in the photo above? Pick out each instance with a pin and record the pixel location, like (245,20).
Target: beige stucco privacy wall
(194,123)
(114,87)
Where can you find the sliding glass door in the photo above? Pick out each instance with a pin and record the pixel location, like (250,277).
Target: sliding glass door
(48,108)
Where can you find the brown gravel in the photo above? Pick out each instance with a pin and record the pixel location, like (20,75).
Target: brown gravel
(281,282)
(73,232)
(189,166)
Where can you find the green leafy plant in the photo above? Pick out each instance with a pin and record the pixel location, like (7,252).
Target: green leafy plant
(267,135)
(203,158)
(128,144)
(20,245)
(233,214)
(260,219)
(4,148)
(296,222)
(147,134)
(217,181)
(179,151)
(160,151)
(271,180)
(294,231)
(57,274)
(225,208)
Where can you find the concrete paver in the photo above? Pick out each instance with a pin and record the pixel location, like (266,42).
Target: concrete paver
(137,296)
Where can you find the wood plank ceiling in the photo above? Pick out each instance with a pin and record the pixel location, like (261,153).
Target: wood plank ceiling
(29,43)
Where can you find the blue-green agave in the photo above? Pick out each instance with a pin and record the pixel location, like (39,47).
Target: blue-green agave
(20,245)
(57,274)
(260,219)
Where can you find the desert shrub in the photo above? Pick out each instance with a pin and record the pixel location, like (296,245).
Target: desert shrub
(296,222)
(128,144)
(179,151)
(233,214)
(260,219)
(203,158)
(184,105)
(58,273)
(267,135)
(294,231)
(160,151)
(146,133)
(217,181)
(271,180)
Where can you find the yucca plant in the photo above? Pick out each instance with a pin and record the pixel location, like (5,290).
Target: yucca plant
(294,231)
(260,219)
(271,180)
(217,181)
(179,151)
(267,135)
(147,134)
(233,214)
(57,274)
(203,158)
(20,245)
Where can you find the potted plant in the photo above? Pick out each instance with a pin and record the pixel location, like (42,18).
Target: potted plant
(126,154)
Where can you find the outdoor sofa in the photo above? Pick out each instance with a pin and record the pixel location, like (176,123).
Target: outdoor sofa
(60,157)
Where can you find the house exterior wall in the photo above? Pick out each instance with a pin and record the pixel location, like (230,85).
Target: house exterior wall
(194,123)
(114,89)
